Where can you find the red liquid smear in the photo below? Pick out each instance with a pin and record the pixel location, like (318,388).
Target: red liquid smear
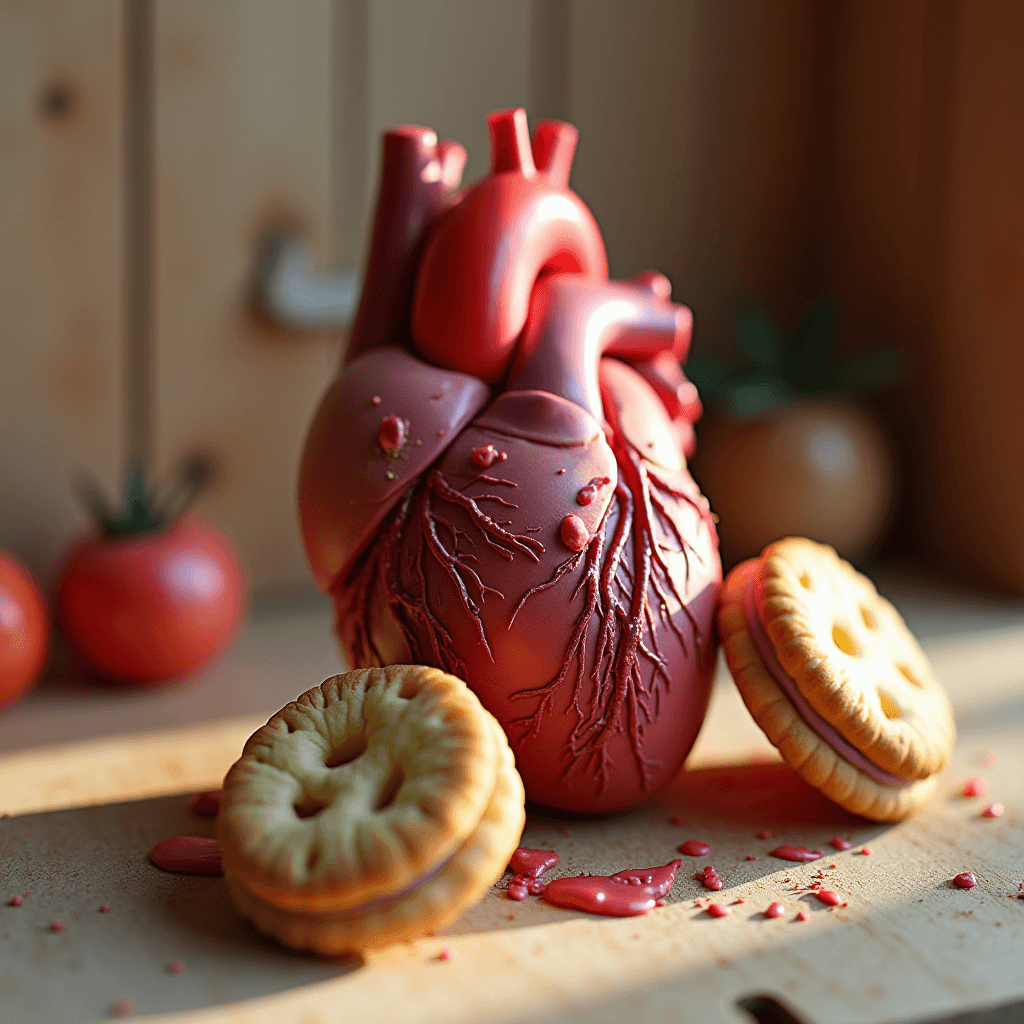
(188,855)
(839,843)
(709,878)
(695,848)
(799,853)
(625,894)
(803,916)
(717,910)
(775,910)
(829,897)
(487,455)
(975,787)
(391,435)
(532,863)
(206,805)
(764,834)
(993,811)
(574,533)
(965,880)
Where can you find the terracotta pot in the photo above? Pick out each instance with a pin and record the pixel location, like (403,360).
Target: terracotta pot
(817,468)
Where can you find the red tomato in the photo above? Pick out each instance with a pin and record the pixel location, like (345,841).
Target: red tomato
(152,606)
(24,629)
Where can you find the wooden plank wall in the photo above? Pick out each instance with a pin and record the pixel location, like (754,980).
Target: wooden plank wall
(61,266)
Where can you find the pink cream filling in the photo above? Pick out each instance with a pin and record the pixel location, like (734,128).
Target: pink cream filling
(811,717)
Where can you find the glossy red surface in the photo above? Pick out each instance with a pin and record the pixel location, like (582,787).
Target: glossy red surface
(627,893)
(537,533)
(24,629)
(188,855)
(154,606)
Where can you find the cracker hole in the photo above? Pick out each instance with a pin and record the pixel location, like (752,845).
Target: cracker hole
(909,675)
(308,807)
(346,752)
(805,581)
(844,642)
(869,619)
(389,791)
(889,706)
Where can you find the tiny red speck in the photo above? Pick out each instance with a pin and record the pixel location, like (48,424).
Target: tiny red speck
(751,857)
(122,1008)
(559,472)
(865,851)
(717,910)
(511,917)
(829,897)
(57,926)
(993,811)
(764,834)
(831,867)
(447,954)
(803,916)
(678,819)
(840,843)
(15,901)
(565,832)
(695,848)
(375,400)
(104,909)
(775,910)
(975,787)
(739,899)
(659,902)
(176,967)
(965,880)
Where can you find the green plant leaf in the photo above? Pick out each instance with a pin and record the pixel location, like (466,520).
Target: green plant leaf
(872,370)
(811,366)
(709,375)
(755,394)
(138,516)
(758,338)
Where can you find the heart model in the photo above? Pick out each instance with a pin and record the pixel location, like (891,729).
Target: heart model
(496,482)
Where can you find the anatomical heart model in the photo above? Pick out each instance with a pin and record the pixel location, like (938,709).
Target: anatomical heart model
(496,483)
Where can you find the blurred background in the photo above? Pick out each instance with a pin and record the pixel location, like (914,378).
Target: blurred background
(836,189)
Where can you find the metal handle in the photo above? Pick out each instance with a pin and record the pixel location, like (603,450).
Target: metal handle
(297,295)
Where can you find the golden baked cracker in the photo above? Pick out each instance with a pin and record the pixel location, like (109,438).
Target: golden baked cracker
(433,903)
(853,658)
(358,789)
(801,747)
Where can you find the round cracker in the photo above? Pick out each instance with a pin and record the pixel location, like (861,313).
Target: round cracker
(801,747)
(432,904)
(397,763)
(853,658)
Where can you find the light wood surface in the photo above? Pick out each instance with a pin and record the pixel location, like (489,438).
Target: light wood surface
(908,945)
(241,149)
(61,266)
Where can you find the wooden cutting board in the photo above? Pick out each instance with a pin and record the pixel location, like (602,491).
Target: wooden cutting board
(84,816)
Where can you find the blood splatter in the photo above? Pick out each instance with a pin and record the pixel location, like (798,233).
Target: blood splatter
(206,805)
(797,853)
(625,894)
(965,880)
(695,848)
(532,863)
(709,878)
(189,855)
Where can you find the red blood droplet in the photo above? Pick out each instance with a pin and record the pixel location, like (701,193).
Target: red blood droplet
(391,434)
(803,916)
(678,819)
(447,954)
(375,400)
(188,855)
(206,805)
(574,533)
(531,863)
(176,967)
(57,926)
(829,897)
(484,456)
(104,909)
(717,910)
(764,834)
(975,787)
(993,811)
(709,878)
(775,910)
(840,843)
(585,495)
(122,1008)
(797,853)
(751,857)
(965,880)
(865,851)
(15,901)
(517,892)
(695,848)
